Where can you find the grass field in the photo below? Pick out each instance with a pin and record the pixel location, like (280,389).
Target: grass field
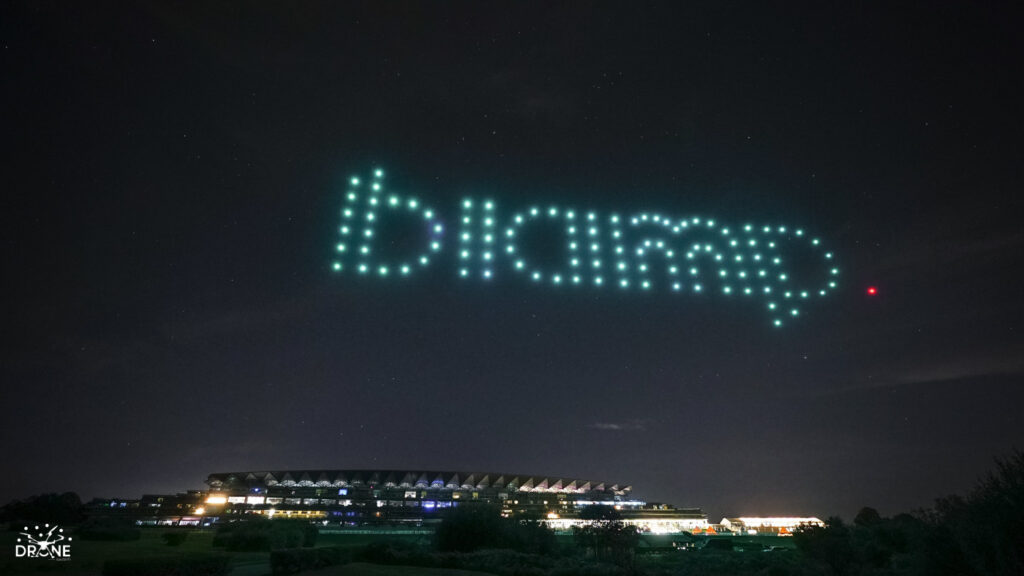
(87,557)
(360,569)
(354,540)
(750,542)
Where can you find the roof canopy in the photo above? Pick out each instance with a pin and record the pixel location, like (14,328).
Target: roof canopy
(410,479)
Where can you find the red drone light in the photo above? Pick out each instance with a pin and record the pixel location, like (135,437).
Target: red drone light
(872,290)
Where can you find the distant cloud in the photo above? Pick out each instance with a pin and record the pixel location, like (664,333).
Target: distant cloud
(942,241)
(966,381)
(629,425)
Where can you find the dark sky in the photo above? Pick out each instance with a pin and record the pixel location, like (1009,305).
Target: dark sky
(173,179)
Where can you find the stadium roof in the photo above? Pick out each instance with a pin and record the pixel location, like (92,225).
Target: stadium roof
(410,479)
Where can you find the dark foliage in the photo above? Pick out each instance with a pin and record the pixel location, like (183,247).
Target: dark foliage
(181,566)
(831,545)
(474,527)
(396,552)
(294,560)
(500,562)
(110,529)
(719,544)
(940,554)
(869,546)
(64,509)
(261,535)
(752,561)
(606,536)
(984,532)
(867,517)
(174,538)
(981,534)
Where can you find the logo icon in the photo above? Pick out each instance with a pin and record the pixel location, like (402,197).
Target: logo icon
(41,542)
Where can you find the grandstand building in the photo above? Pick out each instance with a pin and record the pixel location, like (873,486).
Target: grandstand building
(399,498)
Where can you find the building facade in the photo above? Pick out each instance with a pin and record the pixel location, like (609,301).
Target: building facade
(782,526)
(348,498)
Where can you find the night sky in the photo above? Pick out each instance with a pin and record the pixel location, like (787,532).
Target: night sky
(173,178)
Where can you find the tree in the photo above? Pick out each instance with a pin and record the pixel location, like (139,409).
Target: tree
(53,508)
(605,535)
(831,544)
(988,525)
(867,517)
(257,533)
(470,527)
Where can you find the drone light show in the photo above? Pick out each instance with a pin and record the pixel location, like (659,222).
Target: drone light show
(643,252)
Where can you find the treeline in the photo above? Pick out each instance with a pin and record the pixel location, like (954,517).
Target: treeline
(64,509)
(477,537)
(476,527)
(980,534)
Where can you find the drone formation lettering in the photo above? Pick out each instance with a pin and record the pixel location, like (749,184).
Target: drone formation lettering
(605,251)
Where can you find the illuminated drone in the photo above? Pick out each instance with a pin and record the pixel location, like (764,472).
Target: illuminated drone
(604,251)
